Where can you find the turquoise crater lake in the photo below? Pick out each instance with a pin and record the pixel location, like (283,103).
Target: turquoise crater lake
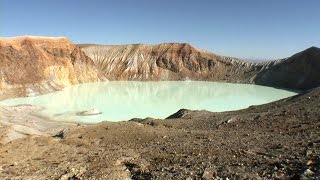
(124,100)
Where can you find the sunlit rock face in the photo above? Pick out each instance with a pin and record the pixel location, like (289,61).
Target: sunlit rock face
(34,65)
(174,61)
(168,61)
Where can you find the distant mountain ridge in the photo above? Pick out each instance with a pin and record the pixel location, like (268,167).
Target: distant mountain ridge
(167,61)
(180,61)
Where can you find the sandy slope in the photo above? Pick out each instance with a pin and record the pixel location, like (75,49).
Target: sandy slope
(19,122)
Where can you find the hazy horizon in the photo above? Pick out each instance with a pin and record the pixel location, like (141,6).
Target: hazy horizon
(262,30)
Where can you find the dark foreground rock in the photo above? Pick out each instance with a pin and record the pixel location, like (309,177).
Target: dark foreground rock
(279,140)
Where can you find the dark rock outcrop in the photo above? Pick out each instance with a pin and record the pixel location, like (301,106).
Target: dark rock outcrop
(179,114)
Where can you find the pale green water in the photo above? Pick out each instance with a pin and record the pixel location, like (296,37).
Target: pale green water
(124,100)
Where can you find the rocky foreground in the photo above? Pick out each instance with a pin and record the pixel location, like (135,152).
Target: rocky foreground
(279,140)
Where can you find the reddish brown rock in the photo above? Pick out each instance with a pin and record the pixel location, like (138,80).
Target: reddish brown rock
(32,65)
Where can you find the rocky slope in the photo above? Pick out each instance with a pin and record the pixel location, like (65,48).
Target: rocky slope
(173,61)
(32,65)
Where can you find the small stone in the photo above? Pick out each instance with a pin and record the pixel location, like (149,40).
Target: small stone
(310,162)
(309,152)
(308,172)
(209,173)
(139,124)
(60,134)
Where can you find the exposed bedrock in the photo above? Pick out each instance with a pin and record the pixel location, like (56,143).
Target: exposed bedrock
(174,61)
(35,65)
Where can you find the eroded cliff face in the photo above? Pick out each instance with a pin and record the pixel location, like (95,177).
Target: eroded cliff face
(169,61)
(35,65)
(173,61)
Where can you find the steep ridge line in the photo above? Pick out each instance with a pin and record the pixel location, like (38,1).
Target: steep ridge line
(169,61)
(181,61)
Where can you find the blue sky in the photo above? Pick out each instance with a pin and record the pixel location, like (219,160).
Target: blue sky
(247,28)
